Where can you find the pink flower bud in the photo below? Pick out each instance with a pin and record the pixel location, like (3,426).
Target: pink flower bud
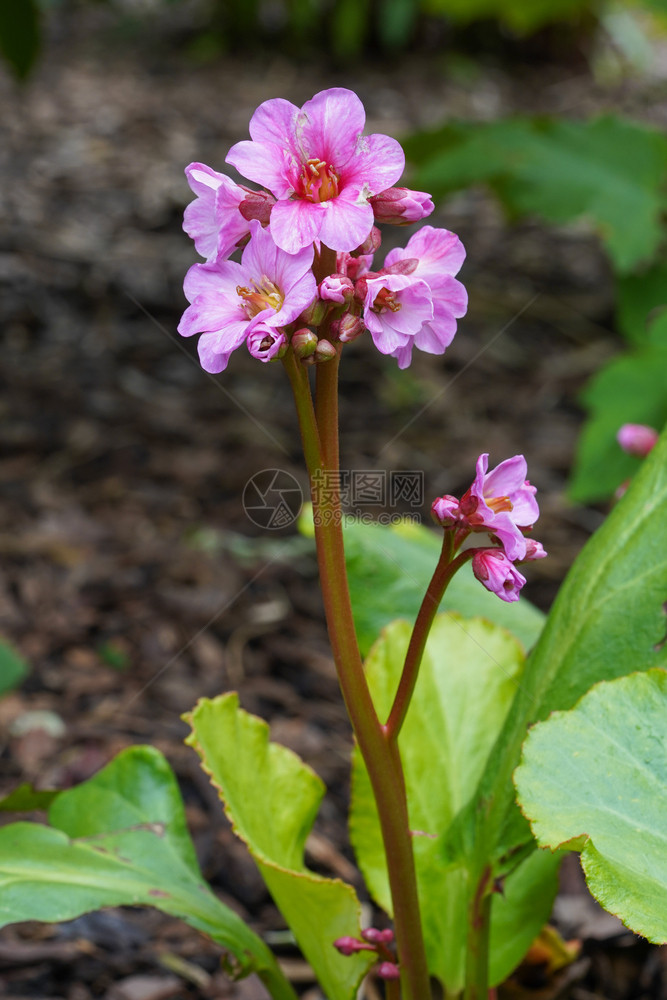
(388,970)
(325,351)
(350,946)
(637,439)
(387,936)
(266,343)
(495,571)
(337,288)
(350,327)
(315,313)
(354,267)
(304,342)
(445,510)
(372,934)
(534,550)
(370,244)
(401,206)
(256,205)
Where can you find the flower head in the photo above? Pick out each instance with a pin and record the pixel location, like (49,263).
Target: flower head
(218,220)
(396,306)
(498,574)
(502,502)
(319,167)
(438,254)
(228,300)
(401,206)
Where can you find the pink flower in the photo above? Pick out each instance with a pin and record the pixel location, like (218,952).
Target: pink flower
(637,439)
(395,309)
(228,299)
(336,288)
(534,550)
(493,569)
(320,168)
(219,217)
(502,502)
(446,510)
(401,206)
(439,255)
(264,342)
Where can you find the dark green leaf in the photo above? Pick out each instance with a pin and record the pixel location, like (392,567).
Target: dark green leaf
(20,35)
(13,668)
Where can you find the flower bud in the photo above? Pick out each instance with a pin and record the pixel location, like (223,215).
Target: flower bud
(370,244)
(354,267)
(637,439)
(534,550)
(350,945)
(265,343)
(304,342)
(445,510)
(350,327)
(257,205)
(325,351)
(337,288)
(401,206)
(315,313)
(388,970)
(376,936)
(495,571)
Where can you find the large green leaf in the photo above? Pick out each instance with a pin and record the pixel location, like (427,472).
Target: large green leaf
(389,569)
(632,389)
(595,779)
(638,297)
(609,170)
(121,839)
(20,34)
(608,620)
(272,798)
(466,683)
(522,16)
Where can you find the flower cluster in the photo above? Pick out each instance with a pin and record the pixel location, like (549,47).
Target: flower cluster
(502,505)
(375,940)
(324,184)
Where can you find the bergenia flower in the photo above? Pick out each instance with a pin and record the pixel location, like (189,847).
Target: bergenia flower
(637,439)
(502,502)
(265,342)
(498,574)
(439,255)
(219,217)
(320,168)
(229,299)
(396,307)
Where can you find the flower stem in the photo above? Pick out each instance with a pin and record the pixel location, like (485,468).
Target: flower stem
(444,572)
(381,757)
(479,927)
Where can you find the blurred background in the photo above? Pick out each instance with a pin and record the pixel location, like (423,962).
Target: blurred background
(132,581)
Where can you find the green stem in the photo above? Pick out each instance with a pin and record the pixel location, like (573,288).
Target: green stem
(479,927)
(380,756)
(444,572)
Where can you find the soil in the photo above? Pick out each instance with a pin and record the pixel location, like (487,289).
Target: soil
(132,581)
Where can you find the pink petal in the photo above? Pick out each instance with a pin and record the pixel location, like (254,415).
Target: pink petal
(347,222)
(506,478)
(329,124)
(212,278)
(265,163)
(378,163)
(296,224)
(275,121)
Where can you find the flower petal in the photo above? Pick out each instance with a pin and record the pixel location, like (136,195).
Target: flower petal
(378,163)
(329,124)
(265,163)
(296,224)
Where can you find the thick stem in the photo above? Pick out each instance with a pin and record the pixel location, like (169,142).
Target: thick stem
(444,572)
(381,758)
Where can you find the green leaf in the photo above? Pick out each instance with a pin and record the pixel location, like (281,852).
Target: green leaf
(466,683)
(20,35)
(631,388)
(610,171)
(121,839)
(608,619)
(13,668)
(271,798)
(638,296)
(519,15)
(389,569)
(25,798)
(596,778)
